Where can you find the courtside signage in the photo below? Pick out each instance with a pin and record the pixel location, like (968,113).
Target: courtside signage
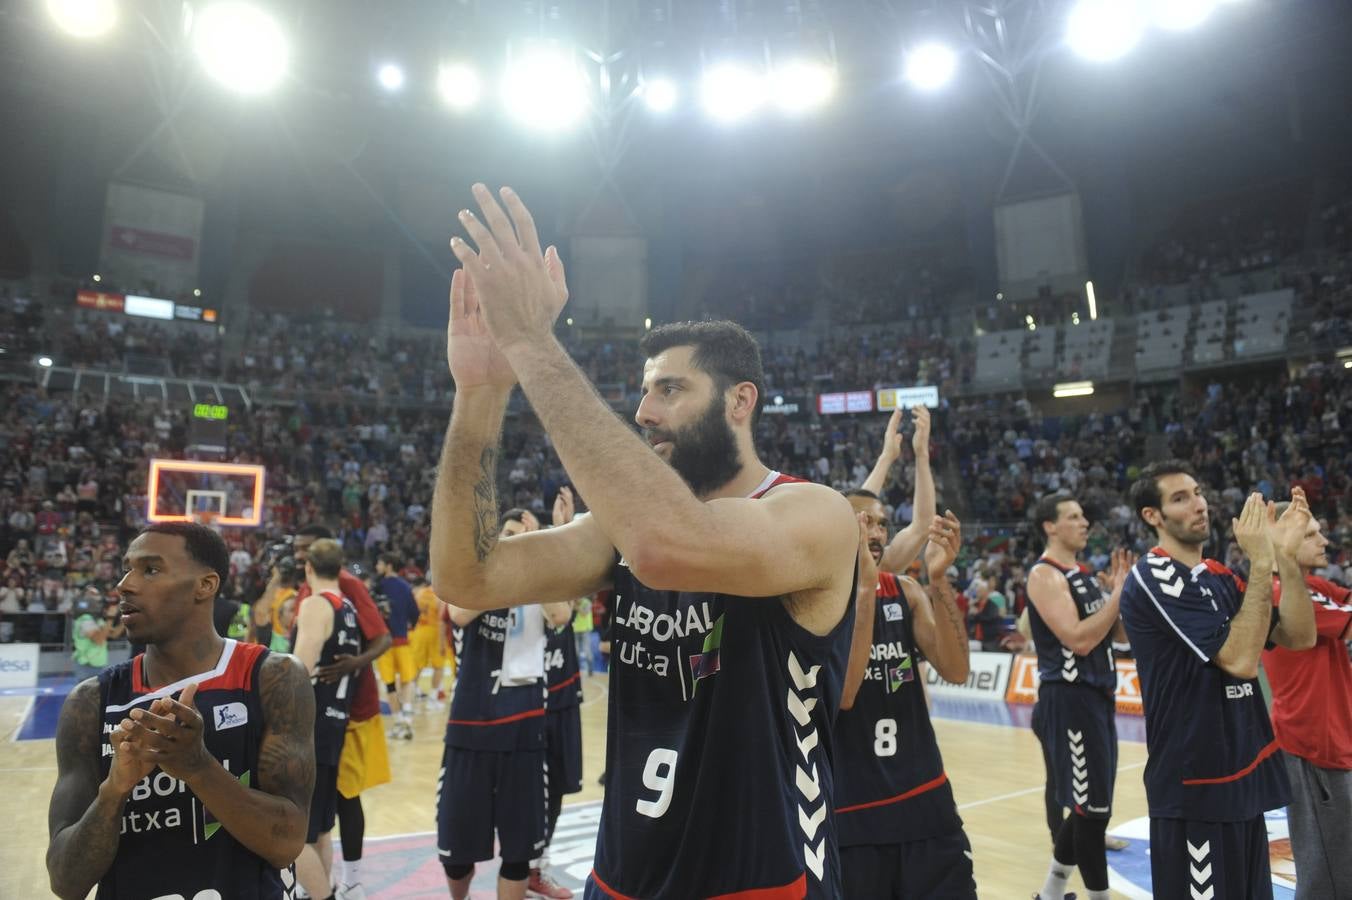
(1023,684)
(987,679)
(19,665)
(906,397)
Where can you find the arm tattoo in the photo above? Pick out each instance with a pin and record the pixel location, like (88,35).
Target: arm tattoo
(84,829)
(941,596)
(486,504)
(286,759)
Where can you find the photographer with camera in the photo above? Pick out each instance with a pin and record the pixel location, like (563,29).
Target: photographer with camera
(95,623)
(275,611)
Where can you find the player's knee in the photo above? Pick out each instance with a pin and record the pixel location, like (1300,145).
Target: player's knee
(514,871)
(457,871)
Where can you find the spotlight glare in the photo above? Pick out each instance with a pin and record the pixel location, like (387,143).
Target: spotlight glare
(544,90)
(97,277)
(83,18)
(458,85)
(731,92)
(241,46)
(197,292)
(803,85)
(1180,15)
(660,94)
(930,66)
(1104,30)
(391,77)
(45,362)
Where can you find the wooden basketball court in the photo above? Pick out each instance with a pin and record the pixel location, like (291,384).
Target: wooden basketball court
(996,770)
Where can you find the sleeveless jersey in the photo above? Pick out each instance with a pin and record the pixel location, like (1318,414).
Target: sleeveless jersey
(891,787)
(485,714)
(563,678)
(333,699)
(1057,662)
(171,845)
(719,751)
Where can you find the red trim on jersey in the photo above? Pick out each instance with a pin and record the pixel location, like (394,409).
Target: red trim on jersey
(889,586)
(913,792)
(238,674)
(528,714)
(1226,779)
(782,479)
(398,641)
(576,676)
(1212,566)
(795,890)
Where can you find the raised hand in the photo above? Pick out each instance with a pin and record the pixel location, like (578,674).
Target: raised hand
(563,507)
(473,357)
(868,567)
(920,440)
(891,451)
(1251,531)
(1123,560)
(521,290)
(945,540)
(1288,532)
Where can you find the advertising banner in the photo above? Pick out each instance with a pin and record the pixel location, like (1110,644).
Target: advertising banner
(1023,684)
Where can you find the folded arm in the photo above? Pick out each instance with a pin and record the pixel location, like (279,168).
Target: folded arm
(1049,593)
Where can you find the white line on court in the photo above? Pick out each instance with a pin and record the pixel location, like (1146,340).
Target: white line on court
(23,719)
(1032,790)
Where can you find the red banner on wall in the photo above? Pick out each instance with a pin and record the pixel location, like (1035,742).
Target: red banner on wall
(151,243)
(100,300)
(1023,684)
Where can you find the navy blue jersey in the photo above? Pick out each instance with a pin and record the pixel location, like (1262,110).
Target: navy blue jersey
(563,678)
(1212,753)
(486,714)
(333,699)
(171,845)
(719,752)
(404,610)
(891,786)
(1057,662)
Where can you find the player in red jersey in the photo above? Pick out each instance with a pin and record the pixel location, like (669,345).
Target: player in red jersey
(1312,717)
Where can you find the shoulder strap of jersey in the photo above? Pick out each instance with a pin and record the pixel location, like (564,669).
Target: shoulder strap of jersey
(889,586)
(774,480)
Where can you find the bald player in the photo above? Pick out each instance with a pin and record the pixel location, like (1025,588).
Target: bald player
(733,583)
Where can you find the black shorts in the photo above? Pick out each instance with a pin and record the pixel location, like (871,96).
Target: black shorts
(563,750)
(937,867)
(1205,859)
(485,791)
(1078,729)
(323,802)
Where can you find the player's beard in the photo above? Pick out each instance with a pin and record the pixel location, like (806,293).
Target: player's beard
(704,453)
(1184,533)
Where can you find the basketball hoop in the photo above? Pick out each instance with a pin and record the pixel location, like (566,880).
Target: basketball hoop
(207,517)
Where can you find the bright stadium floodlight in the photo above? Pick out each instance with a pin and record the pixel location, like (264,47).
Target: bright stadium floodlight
(241,46)
(1104,30)
(391,77)
(1180,15)
(803,85)
(45,362)
(730,91)
(930,66)
(544,90)
(83,18)
(1093,300)
(1073,389)
(660,94)
(458,85)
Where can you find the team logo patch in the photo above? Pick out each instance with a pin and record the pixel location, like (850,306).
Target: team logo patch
(230,715)
(899,674)
(892,612)
(708,662)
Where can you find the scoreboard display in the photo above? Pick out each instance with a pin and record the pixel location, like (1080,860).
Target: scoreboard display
(208,426)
